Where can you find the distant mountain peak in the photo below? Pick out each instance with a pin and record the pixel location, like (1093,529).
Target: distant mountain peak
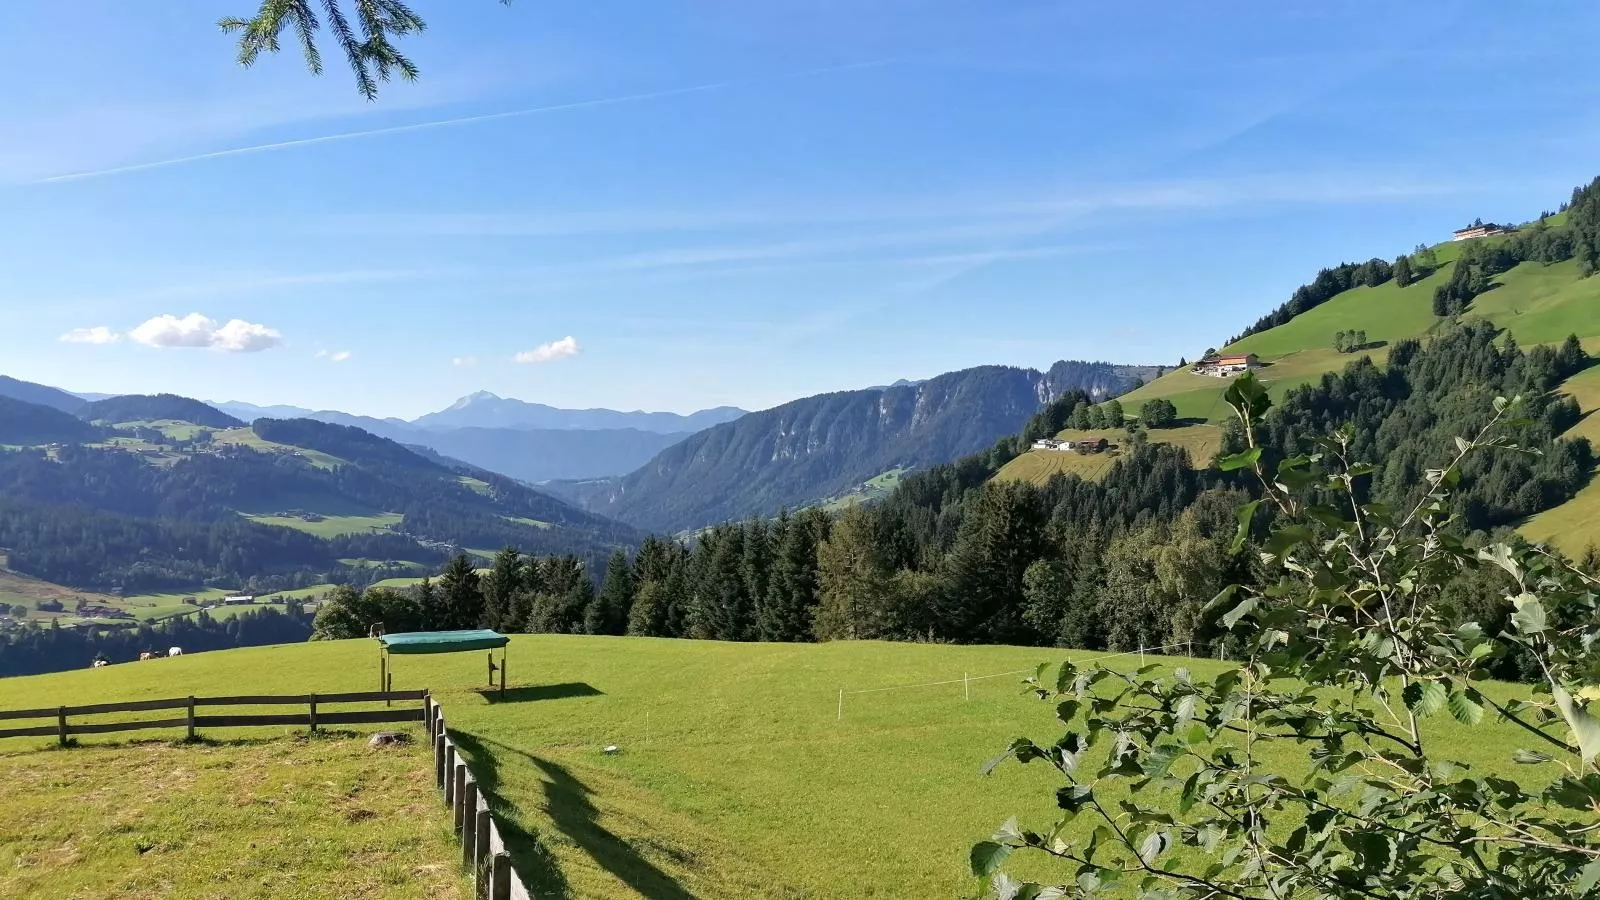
(475,397)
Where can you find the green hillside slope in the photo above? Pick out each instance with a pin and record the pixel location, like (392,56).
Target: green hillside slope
(739,771)
(1532,302)
(175,504)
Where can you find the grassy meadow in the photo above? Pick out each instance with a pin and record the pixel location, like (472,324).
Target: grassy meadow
(330,526)
(1039,466)
(259,817)
(736,775)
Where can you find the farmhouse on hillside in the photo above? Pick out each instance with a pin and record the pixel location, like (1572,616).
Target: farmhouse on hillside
(1052,444)
(1225,365)
(1478,230)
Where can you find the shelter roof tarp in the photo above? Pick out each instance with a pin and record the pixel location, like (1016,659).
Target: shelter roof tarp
(443,641)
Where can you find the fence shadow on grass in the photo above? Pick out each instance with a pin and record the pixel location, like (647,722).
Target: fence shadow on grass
(532,693)
(568,805)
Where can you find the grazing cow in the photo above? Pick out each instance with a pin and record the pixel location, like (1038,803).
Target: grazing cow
(175,651)
(146,655)
(101,664)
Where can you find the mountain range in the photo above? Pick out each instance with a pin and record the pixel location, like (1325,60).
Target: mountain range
(532,442)
(823,447)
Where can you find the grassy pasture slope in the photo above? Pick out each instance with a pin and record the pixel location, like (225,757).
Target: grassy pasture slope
(1534,302)
(1039,466)
(735,778)
(258,818)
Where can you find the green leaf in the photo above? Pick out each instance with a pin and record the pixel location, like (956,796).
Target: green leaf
(1234,461)
(1151,848)
(987,856)
(1588,876)
(1009,833)
(1585,728)
(1425,698)
(1246,513)
(1500,555)
(1464,708)
(1067,710)
(1065,676)
(1073,797)
(1529,617)
(1232,617)
(1287,537)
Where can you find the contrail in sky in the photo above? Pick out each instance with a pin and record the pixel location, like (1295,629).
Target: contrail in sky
(443,123)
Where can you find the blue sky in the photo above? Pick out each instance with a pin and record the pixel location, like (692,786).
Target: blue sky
(674,206)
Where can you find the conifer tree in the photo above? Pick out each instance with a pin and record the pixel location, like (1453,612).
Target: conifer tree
(500,588)
(609,612)
(460,594)
(787,610)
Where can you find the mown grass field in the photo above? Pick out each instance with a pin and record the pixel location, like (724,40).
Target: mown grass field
(260,817)
(1039,466)
(875,488)
(245,437)
(330,526)
(736,775)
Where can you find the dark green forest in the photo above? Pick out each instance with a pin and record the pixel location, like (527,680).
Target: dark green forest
(153,407)
(1127,562)
(30,423)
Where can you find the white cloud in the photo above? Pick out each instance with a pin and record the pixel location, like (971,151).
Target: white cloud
(99,334)
(567,346)
(337,356)
(196,330)
(464,362)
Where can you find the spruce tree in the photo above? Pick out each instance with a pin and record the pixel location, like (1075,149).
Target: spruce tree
(1402,270)
(1002,533)
(460,595)
(430,607)
(500,589)
(609,613)
(722,610)
(857,593)
(791,599)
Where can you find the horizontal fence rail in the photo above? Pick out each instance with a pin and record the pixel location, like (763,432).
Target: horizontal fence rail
(483,849)
(313,718)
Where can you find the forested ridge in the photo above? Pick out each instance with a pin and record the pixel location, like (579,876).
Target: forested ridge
(107,519)
(153,407)
(818,447)
(1122,563)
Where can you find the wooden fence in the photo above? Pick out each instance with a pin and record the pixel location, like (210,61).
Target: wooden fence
(482,848)
(314,717)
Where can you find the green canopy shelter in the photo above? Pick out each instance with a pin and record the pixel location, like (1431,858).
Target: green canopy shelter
(441,642)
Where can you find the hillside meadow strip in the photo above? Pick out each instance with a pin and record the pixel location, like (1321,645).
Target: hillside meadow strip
(735,774)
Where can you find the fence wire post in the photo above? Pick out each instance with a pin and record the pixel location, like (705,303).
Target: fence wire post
(966,685)
(841,705)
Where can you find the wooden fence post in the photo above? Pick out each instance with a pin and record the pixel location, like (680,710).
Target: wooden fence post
(313,713)
(480,843)
(449,773)
(461,788)
(469,819)
(500,877)
(438,760)
(61,725)
(191,717)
